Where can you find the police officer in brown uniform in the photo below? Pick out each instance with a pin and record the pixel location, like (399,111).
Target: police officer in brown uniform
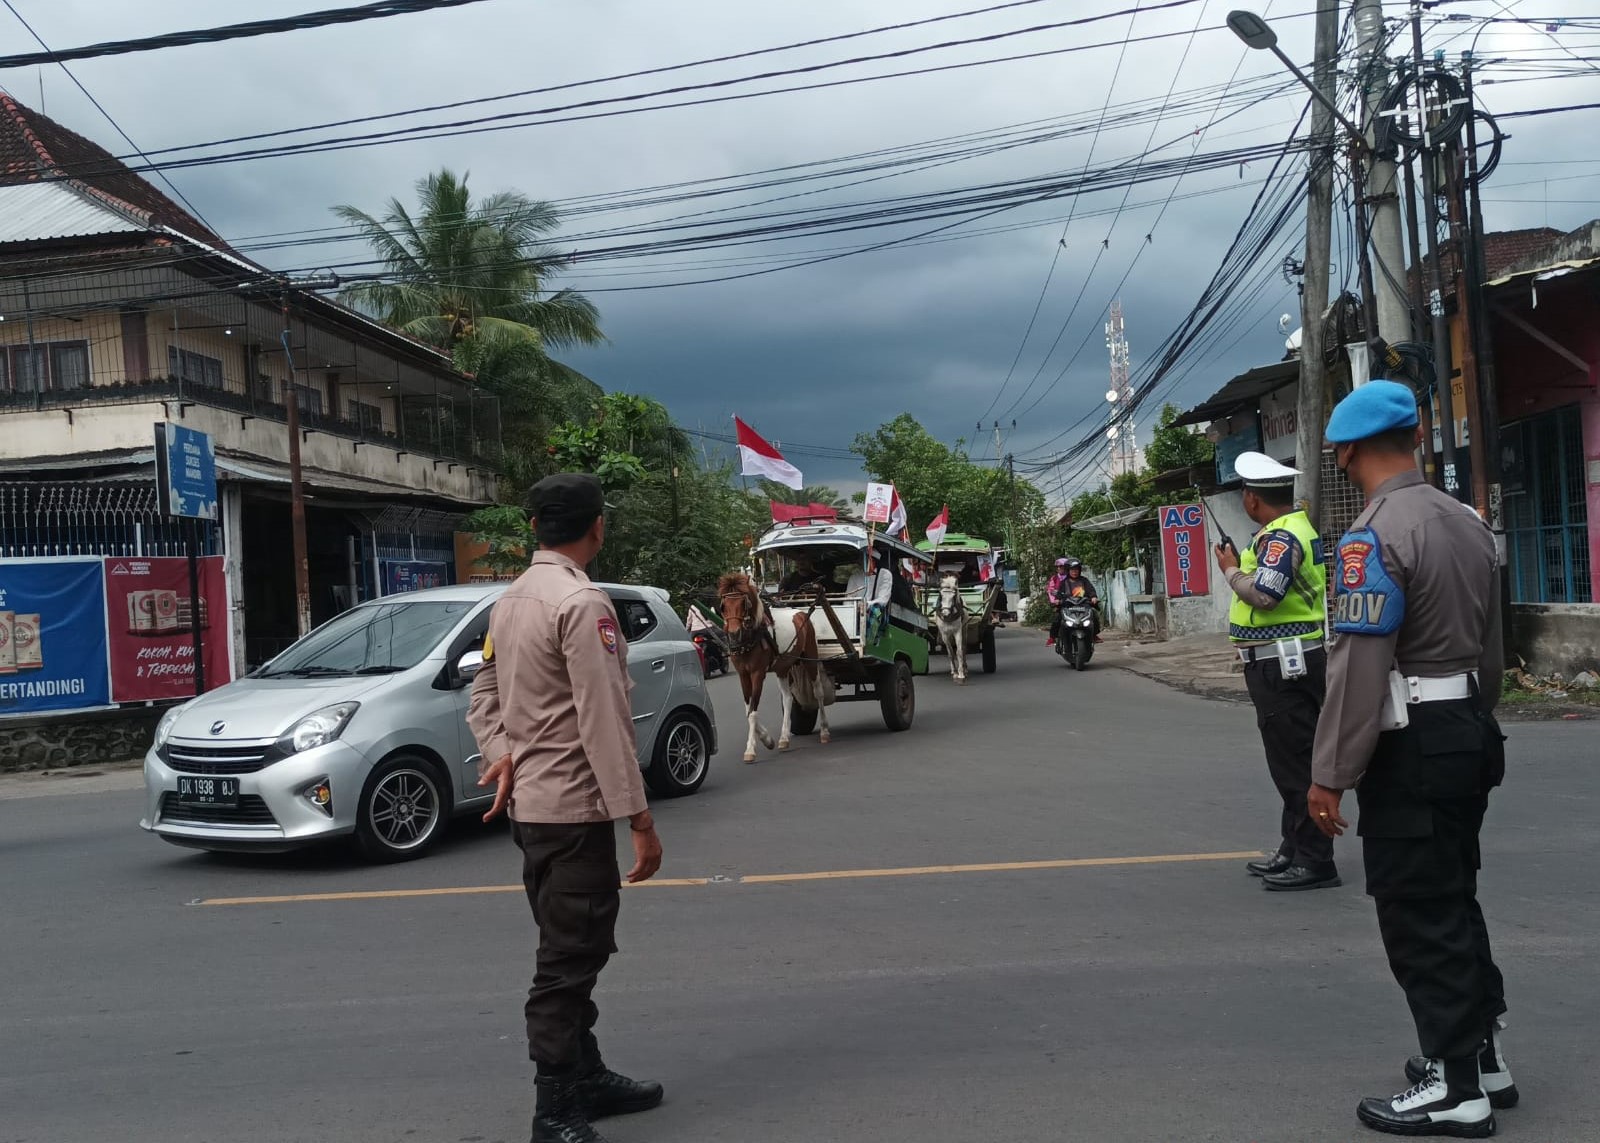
(550,711)
(1412,681)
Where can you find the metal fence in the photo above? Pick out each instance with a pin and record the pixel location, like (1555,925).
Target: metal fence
(92,519)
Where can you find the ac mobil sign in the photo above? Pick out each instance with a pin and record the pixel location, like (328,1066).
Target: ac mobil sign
(1185,552)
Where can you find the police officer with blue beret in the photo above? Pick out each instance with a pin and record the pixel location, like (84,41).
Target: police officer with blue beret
(1413,676)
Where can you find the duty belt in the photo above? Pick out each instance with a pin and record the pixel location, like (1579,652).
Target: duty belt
(1450,687)
(1248,655)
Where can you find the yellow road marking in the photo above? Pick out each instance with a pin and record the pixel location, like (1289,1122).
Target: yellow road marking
(752,879)
(993,867)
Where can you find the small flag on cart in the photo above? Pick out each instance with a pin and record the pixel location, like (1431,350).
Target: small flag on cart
(940,525)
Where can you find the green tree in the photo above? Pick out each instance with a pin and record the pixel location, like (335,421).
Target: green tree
(1176,446)
(473,278)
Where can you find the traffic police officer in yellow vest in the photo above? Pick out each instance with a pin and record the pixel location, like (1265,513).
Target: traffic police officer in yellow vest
(1413,676)
(1276,623)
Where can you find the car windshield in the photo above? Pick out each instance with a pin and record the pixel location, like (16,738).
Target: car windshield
(374,639)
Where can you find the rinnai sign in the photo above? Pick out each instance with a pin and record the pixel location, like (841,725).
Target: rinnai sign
(1279,422)
(1184,550)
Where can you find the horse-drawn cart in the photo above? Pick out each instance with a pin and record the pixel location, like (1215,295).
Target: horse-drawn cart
(855,587)
(978,585)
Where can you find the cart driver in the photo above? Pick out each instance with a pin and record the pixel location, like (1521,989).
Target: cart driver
(802,575)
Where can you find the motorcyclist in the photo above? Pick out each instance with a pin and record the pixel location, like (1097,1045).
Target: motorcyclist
(1069,583)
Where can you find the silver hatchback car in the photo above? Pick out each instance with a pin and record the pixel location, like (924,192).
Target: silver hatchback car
(360,728)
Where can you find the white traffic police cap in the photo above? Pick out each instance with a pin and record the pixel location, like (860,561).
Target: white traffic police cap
(1261,470)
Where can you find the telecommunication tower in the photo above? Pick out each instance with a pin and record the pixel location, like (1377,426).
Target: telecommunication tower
(1121,435)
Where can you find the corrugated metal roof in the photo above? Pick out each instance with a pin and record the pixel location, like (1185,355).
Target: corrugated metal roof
(33,212)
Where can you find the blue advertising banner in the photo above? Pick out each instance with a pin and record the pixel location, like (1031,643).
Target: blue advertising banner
(413,575)
(186,472)
(1229,448)
(53,635)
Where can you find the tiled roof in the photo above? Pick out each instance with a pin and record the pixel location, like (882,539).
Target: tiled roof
(34,148)
(1502,249)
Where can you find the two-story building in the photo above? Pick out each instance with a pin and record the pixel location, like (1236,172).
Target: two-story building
(120,310)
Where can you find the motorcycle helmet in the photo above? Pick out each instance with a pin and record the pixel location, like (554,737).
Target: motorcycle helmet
(1073,565)
(1062,562)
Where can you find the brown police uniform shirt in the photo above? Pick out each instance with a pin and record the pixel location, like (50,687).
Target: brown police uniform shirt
(553,694)
(1441,557)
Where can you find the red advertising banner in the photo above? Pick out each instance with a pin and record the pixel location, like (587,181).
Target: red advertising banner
(1184,550)
(148,611)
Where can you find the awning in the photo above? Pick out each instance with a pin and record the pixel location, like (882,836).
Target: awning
(1243,392)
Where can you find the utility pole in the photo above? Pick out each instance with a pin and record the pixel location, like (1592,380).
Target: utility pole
(297,498)
(1428,157)
(1388,250)
(1319,236)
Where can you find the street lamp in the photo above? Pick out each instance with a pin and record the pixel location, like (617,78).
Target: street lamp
(1258,35)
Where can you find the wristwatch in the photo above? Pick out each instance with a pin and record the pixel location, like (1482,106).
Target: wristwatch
(649,824)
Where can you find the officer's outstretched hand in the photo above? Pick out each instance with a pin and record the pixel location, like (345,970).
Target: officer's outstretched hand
(498,775)
(646,853)
(1323,805)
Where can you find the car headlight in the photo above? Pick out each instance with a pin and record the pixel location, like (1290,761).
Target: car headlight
(164,727)
(318,728)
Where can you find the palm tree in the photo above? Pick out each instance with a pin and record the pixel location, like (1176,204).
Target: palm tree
(457,268)
(810,494)
(471,278)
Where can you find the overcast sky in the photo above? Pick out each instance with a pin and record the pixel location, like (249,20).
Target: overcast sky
(810,356)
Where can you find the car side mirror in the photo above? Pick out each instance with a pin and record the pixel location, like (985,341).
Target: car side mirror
(468,666)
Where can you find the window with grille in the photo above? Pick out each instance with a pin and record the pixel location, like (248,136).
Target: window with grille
(42,367)
(1546,508)
(194,368)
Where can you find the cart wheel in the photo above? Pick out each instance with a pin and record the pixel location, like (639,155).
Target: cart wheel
(801,720)
(897,694)
(988,651)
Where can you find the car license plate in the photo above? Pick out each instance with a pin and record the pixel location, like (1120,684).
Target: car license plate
(209,791)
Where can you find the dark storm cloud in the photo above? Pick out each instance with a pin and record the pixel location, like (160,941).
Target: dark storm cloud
(810,355)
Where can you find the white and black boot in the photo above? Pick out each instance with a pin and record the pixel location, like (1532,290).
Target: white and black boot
(1493,1070)
(1448,1100)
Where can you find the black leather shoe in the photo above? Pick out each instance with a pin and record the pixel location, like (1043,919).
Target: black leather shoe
(559,1117)
(1432,1107)
(603,1093)
(1298,877)
(1277,863)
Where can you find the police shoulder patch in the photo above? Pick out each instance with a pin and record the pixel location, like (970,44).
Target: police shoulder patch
(608,633)
(488,648)
(1367,600)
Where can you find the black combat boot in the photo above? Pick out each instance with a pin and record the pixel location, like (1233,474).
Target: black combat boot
(558,1116)
(1448,1100)
(1493,1070)
(602,1092)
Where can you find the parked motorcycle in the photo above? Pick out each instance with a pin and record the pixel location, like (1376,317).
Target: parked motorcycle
(1075,640)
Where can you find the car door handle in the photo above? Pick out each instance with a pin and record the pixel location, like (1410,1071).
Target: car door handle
(659,665)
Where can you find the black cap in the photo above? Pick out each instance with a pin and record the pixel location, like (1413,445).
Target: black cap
(574,497)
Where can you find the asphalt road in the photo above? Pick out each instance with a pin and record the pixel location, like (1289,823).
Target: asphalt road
(1164,1000)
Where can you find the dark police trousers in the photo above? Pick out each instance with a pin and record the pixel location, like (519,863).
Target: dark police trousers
(572,879)
(1422,803)
(1286,714)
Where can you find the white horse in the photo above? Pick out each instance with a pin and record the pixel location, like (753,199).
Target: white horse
(951,616)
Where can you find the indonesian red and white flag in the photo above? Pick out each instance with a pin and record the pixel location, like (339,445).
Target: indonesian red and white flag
(758,458)
(940,525)
(897,525)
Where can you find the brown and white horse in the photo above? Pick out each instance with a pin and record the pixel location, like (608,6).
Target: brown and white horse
(951,617)
(754,652)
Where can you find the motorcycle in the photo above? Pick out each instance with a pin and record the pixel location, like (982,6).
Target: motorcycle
(1075,640)
(713,655)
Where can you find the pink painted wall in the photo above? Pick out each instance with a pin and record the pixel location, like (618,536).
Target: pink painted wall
(1533,379)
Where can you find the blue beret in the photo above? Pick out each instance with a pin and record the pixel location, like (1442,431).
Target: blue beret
(1376,407)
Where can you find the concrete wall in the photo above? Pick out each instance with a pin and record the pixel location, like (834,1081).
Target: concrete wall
(1556,638)
(31,434)
(79,738)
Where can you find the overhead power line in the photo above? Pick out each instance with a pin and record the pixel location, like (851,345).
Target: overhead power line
(323,19)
